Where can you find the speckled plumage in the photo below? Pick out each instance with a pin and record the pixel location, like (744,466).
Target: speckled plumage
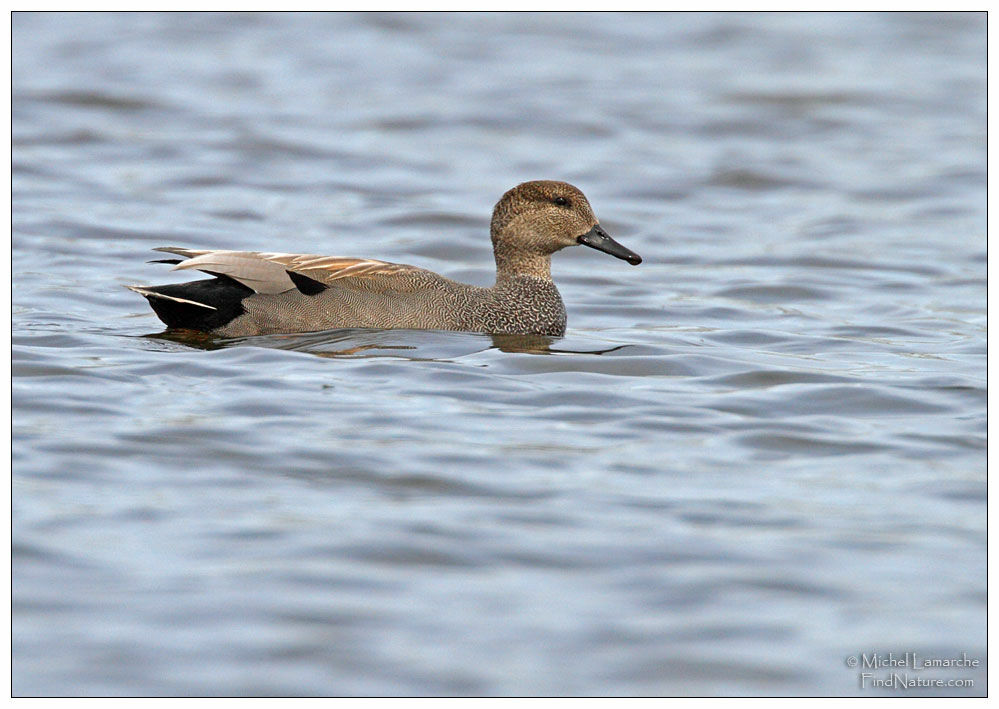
(263,293)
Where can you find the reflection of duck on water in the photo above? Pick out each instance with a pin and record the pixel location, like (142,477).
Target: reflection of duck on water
(379,343)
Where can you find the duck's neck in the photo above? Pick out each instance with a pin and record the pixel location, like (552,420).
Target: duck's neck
(511,264)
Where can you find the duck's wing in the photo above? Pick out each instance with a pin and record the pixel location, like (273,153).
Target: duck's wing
(278,272)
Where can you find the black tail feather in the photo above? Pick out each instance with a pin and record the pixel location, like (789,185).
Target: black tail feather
(222,294)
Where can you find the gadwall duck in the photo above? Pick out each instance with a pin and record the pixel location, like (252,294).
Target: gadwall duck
(265,293)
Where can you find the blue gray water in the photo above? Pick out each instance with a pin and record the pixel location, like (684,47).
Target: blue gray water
(757,455)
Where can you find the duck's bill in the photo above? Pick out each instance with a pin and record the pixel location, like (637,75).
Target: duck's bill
(597,238)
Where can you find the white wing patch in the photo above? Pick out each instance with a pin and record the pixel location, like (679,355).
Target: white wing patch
(153,294)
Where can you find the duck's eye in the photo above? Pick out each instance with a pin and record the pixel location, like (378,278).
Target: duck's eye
(561,201)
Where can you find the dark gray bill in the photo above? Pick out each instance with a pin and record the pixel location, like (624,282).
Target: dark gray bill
(597,238)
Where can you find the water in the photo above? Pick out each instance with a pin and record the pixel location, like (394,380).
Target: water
(759,453)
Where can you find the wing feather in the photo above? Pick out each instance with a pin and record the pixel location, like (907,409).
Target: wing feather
(266,272)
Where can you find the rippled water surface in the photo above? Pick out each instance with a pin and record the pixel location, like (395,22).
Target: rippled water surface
(756,455)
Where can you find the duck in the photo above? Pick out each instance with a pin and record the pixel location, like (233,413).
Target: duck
(261,293)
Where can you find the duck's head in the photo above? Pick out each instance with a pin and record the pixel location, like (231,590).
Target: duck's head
(543,216)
